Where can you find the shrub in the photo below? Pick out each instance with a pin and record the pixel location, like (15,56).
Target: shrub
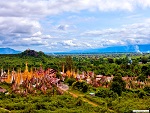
(79,102)
(141,94)
(70,81)
(102,92)
(81,86)
(147,89)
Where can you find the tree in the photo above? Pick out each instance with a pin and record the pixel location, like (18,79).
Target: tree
(141,94)
(141,78)
(144,60)
(81,86)
(118,61)
(69,63)
(70,81)
(110,60)
(147,89)
(116,87)
(118,79)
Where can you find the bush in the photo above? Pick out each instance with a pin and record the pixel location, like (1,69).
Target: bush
(40,106)
(70,81)
(147,89)
(96,100)
(141,94)
(81,86)
(106,93)
(79,102)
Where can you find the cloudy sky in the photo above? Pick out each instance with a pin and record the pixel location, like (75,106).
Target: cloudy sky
(65,25)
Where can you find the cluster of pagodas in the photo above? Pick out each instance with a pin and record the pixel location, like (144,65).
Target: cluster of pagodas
(19,76)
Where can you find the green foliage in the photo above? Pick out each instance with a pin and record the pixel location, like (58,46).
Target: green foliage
(116,87)
(144,60)
(100,64)
(32,53)
(81,86)
(110,60)
(108,102)
(104,93)
(97,100)
(69,63)
(58,75)
(70,81)
(147,89)
(141,94)
(141,78)
(79,102)
(42,103)
(118,78)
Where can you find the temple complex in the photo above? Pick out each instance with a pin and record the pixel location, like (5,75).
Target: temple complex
(19,77)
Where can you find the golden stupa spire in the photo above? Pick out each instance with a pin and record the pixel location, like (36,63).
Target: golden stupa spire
(26,69)
(8,79)
(74,74)
(18,77)
(63,68)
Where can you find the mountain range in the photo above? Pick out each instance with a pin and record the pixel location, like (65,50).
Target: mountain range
(8,51)
(115,49)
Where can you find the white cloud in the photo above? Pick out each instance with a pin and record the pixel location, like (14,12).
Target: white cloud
(20,23)
(129,34)
(14,25)
(37,34)
(31,8)
(69,43)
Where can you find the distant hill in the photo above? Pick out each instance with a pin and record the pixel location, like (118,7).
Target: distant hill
(115,49)
(8,51)
(32,53)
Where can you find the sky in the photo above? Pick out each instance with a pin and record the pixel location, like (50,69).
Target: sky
(66,25)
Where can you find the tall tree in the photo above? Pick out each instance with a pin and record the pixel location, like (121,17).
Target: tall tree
(69,63)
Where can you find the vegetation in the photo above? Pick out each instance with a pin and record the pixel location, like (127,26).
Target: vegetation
(101,64)
(114,99)
(118,85)
(80,86)
(44,103)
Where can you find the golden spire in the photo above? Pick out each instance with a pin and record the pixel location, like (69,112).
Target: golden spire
(63,68)
(68,73)
(26,70)
(18,77)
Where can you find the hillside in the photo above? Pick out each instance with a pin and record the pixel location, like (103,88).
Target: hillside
(8,51)
(32,53)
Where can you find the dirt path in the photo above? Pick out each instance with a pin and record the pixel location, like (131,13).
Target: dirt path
(76,95)
(90,102)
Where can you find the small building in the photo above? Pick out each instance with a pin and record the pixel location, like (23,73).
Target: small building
(92,94)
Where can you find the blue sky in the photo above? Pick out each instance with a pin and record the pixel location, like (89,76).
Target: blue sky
(65,25)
